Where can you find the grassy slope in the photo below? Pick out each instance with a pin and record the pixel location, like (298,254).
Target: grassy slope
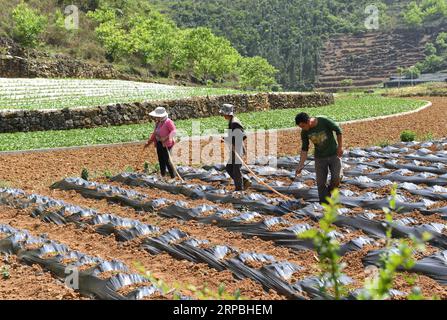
(347,107)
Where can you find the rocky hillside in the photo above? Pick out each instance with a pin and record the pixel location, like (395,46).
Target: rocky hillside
(369,59)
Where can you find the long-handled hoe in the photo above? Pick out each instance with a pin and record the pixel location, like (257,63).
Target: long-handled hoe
(171,163)
(257,178)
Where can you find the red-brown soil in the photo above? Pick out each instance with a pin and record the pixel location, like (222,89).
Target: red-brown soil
(35,172)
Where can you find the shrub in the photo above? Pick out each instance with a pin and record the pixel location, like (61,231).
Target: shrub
(428,137)
(431,64)
(85,174)
(430,49)
(28,25)
(413,15)
(346,82)
(441,41)
(407,136)
(129,169)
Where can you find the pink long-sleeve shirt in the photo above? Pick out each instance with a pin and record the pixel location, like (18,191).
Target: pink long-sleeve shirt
(162,130)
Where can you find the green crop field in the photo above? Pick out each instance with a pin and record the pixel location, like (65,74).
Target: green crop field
(347,107)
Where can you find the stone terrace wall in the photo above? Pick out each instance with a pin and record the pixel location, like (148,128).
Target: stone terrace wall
(132,113)
(18,62)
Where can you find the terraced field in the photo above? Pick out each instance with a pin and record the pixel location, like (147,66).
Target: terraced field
(200,232)
(66,93)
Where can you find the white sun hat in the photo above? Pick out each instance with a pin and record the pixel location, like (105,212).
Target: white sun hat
(159,112)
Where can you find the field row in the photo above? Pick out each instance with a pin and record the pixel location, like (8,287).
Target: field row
(66,93)
(360,229)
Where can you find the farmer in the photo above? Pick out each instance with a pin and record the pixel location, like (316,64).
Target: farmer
(328,153)
(236,138)
(163,137)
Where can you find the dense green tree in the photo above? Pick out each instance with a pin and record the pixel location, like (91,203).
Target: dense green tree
(430,49)
(426,12)
(111,33)
(257,73)
(206,55)
(28,25)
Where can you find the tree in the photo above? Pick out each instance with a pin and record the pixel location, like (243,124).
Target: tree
(441,41)
(257,73)
(207,56)
(413,16)
(28,25)
(412,72)
(156,38)
(431,63)
(428,11)
(430,49)
(111,33)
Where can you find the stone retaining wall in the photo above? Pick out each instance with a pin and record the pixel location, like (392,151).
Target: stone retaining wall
(18,62)
(132,113)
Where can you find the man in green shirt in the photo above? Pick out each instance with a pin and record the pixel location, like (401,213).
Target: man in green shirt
(328,152)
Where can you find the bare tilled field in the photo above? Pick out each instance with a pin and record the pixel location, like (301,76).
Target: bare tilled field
(201,233)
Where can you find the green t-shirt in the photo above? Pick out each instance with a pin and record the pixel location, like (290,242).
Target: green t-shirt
(322,137)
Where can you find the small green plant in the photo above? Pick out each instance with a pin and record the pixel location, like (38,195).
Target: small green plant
(202,293)
(129,169)
(429,136)
(85,174)
(327,248)
(4,271)
(398,254)
(384,143)
(108,174)
(407,136)
(146,167)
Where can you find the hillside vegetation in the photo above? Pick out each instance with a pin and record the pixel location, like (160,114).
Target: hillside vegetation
(134,36)
(248,44)
(291,34)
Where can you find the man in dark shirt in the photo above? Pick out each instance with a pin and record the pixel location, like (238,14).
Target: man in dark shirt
(236,137)
(328,153)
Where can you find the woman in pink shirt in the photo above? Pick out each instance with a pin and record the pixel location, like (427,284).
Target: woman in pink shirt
(163,137)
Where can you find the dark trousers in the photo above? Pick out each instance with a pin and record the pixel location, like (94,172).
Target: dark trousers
(163,160)
(234,170)
(322,168)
